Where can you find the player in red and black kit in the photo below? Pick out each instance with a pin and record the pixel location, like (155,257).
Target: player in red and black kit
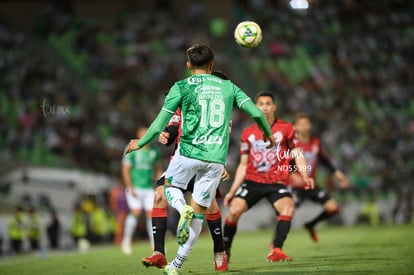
(264,173)
(159,211)
(313,153)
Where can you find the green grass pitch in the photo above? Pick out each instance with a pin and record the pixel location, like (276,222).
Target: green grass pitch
(341,250)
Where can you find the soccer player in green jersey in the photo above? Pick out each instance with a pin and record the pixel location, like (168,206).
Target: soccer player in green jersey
(138,174)
(206,103)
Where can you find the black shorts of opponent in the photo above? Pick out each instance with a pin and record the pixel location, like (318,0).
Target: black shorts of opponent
(317,195)
(252,192)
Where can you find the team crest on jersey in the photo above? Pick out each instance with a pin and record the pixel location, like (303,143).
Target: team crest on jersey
(278,136)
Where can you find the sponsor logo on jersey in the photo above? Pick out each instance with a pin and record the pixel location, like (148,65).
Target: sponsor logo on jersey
(207,138)
(244,146)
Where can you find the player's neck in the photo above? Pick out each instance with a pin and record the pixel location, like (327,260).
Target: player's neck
(305,137)
(271,119)
(199,71)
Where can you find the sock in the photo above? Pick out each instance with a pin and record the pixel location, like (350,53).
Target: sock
(195,230)
(322,216)
(175,198)
(214,224)
(230,229)
(159,228)
(282,230)
(130,225)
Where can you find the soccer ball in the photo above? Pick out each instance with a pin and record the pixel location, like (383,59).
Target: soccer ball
(248,34)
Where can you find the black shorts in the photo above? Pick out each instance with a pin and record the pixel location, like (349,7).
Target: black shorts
(253,192)
(317,195)
(190,187)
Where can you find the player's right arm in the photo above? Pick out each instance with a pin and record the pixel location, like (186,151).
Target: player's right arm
(126,175)
(238,178)
(246,104)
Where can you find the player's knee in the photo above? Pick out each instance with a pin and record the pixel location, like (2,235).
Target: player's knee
(160,201)
(285,207)
(331,206)
(135,212)
(213,208)
(236,210)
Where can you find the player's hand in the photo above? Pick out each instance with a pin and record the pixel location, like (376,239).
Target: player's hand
(343,180)
(225,176)
(271,139)
(132,191)
(309,183)
(296,180)
(163,138)
(227,199)
(132,146)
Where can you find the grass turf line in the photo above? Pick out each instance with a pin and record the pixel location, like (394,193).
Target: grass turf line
(341,250)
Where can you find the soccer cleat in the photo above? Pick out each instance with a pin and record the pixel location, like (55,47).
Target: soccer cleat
(312,232)
(157,259)
(183,228)
(171,270)
(220,262)
(277,255)
(126,248)
(227,251)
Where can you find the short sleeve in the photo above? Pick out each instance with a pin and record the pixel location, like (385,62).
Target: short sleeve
(127,158)
(173,99)
(292,140)
(176,118)
(244,144)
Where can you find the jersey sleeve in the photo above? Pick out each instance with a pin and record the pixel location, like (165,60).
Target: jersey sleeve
(292,140)
(325,160)
(240,97)
(176,118)
(127,159)
(244,143)
(173,99)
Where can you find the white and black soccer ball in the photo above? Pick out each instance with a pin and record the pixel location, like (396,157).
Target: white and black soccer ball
(248,34)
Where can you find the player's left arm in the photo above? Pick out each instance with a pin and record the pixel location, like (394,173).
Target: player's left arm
(337,173)
(153,131)
(171,103)
(301,165)
(300,161)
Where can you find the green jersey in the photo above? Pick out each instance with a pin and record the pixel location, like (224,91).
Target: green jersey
(142,166)
(206,103)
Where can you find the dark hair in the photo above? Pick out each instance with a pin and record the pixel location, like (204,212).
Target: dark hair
(269,94)
(220,74)
(200,55)
(301,115)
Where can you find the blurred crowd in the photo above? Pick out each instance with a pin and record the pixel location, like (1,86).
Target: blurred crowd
(73,91)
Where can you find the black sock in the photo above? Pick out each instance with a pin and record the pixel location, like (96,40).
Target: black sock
(281,232)
(216,234)
(230,230)
(322,216)
(159,228)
